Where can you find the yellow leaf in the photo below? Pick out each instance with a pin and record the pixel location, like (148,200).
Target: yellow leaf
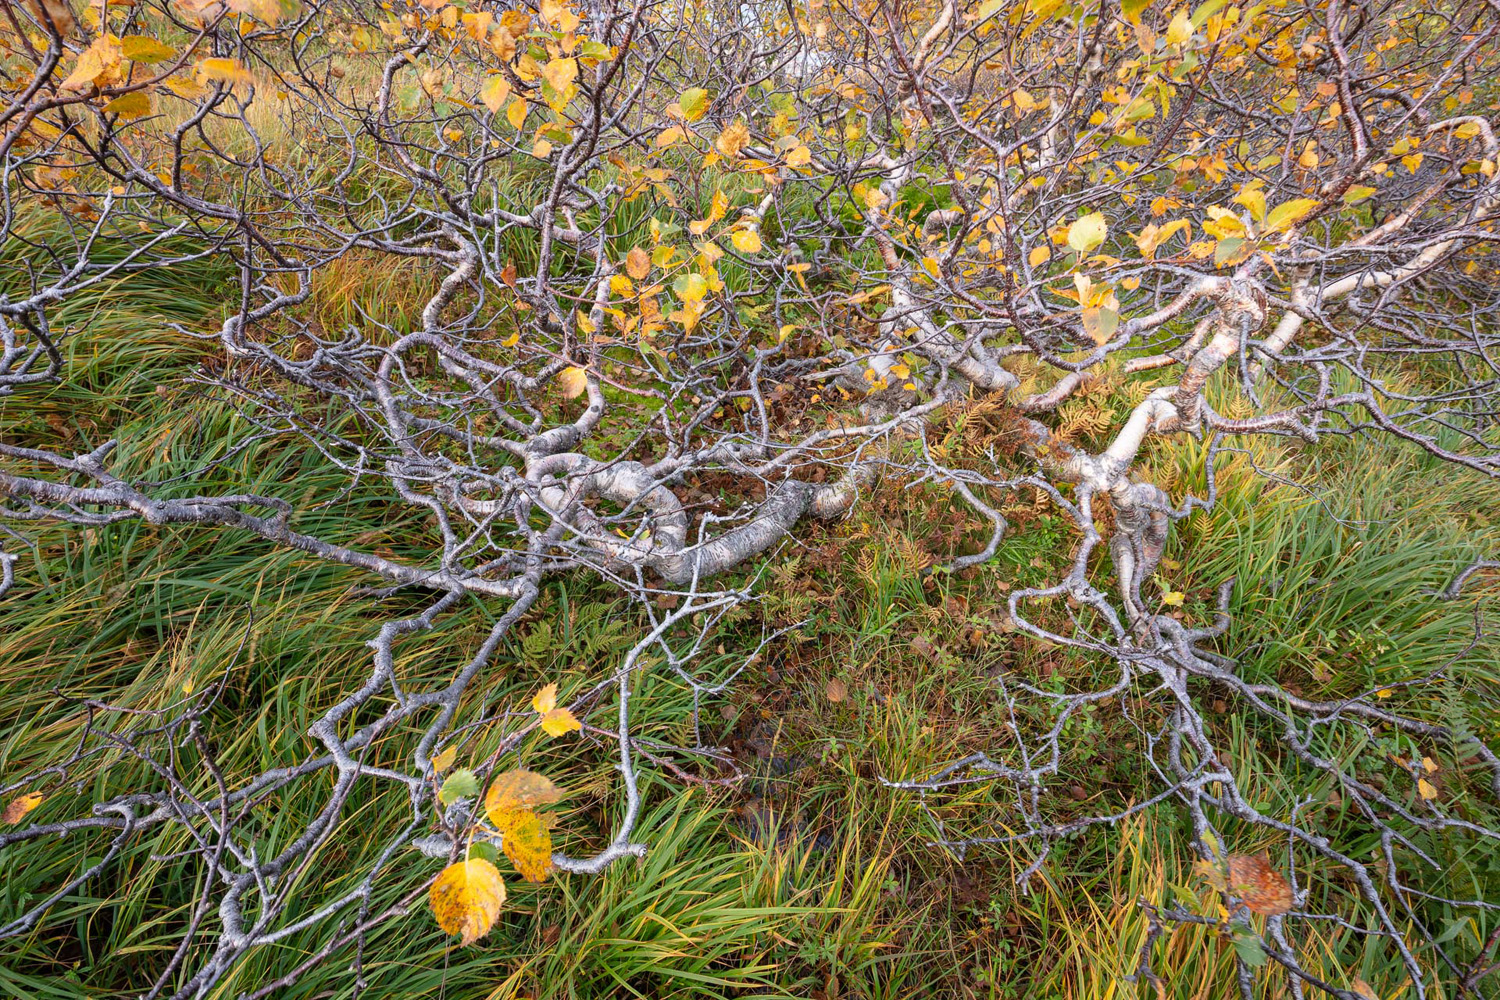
(572,381)
(1426,789)
(861,297)
(1384,693)
(528,844)
(516,792)
(1155,235)
(1289,213)
(516,113)
(1467,130)
(1412,161)
(799,156)
(541,149)
(1255,200)
(132,105)
(269,11)
(494,93)
(98,63)
(560,74)
(1429,765)
(225,70)
(512,340)
(1087,232)
(638,264)
(545,700)
(187,88)
(445,760)
(1364,989)
(1039,255)
(733,139)
(1174,598)
(560,721)
(477,26)
(560,15)
(691,287)
(718,205)
(1180,30)
(20,806)
(1100,323)
(746,241)
(517,22)
(466,898)
(139,48)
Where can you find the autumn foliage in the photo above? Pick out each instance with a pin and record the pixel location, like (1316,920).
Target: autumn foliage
(676,285)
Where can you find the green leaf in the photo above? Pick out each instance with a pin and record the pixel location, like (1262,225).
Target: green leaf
(1225,250)
(461,784)
(1248,947)
(1100,323)
(1204,11)
(694,103)
(484,850)
(1357,193)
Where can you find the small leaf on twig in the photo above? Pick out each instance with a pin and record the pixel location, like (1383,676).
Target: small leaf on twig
(555,721)
(461,784)
(20,806)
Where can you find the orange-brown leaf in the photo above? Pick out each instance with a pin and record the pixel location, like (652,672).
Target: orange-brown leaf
(638,263)
(1262,887)
(20,806)
(516,792)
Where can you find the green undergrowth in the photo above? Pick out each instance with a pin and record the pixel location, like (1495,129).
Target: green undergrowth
(808,878)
